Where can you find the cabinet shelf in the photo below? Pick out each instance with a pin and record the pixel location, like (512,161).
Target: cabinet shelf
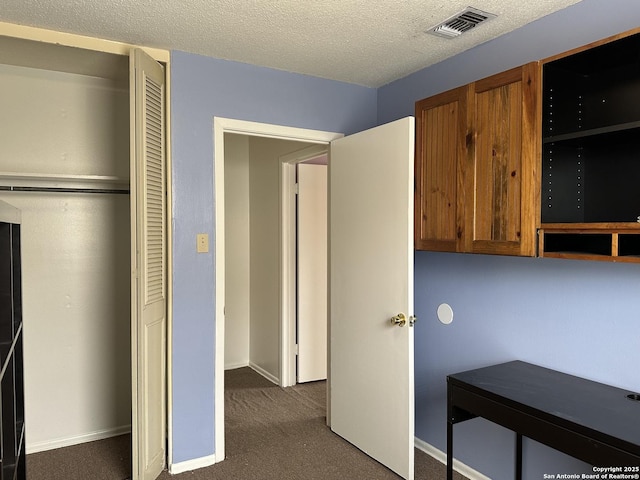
(617,242)
(592,132)
(591,227)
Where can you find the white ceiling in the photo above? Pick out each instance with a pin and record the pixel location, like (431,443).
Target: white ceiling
(364,42)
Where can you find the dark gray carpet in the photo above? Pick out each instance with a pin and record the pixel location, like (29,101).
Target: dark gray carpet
(108,459)
(271,434)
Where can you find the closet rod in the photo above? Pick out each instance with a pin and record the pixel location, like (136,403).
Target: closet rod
(63,190)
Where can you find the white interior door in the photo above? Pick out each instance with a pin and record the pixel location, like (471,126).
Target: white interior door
(148,282)
(312,272)
(371,280)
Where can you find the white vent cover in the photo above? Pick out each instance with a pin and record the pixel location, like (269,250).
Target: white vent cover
(461,22)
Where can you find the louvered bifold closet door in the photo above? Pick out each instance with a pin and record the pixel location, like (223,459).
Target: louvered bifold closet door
(154,193)
(148,296)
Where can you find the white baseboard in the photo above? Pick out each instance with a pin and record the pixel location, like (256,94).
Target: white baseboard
(190,465)
(76,440)
(458,466)
(233,366)
(265,374)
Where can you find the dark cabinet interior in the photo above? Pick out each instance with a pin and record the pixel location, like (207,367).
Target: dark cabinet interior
(591,123)
(593,179)
(12,454)
(590,200)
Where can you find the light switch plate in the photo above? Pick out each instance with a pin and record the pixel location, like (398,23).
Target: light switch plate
(202,243)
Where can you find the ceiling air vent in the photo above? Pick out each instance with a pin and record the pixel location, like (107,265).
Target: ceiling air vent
(461,22)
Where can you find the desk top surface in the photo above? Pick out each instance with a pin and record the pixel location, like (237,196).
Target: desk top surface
(596,406)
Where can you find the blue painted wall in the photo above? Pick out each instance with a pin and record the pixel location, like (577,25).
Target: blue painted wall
(579,317)
(201,89)
(575,316)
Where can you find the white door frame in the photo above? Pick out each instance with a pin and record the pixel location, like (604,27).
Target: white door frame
(220,127)
(288,263)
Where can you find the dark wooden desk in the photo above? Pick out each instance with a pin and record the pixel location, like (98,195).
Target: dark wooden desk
(591,421)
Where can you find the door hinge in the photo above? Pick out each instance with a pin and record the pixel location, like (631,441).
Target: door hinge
(296,188)
(297,349)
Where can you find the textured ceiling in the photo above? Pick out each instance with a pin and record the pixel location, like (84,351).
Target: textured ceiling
(364,42)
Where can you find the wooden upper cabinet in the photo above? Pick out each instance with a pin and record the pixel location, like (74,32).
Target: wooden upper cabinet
(477,150)
(483,164)
(440,150)
(502,178)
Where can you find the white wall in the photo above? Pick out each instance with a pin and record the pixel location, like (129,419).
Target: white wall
(265,254)
(62,123)
(75,250)
(236,183)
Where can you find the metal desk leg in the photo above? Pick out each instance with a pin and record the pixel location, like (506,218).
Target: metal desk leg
(449,450)
(518,456)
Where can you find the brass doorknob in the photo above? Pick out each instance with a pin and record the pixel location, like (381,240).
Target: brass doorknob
(400,320)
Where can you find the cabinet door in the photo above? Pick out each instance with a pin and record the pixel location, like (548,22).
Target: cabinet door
(440,149)
(501,167)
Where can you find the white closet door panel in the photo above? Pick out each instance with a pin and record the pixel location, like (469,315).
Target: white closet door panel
(312,272)
(148,214)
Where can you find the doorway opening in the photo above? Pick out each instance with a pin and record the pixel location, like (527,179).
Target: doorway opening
(371,279)
(281,142)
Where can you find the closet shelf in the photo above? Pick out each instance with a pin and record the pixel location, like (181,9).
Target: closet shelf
(57,181)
